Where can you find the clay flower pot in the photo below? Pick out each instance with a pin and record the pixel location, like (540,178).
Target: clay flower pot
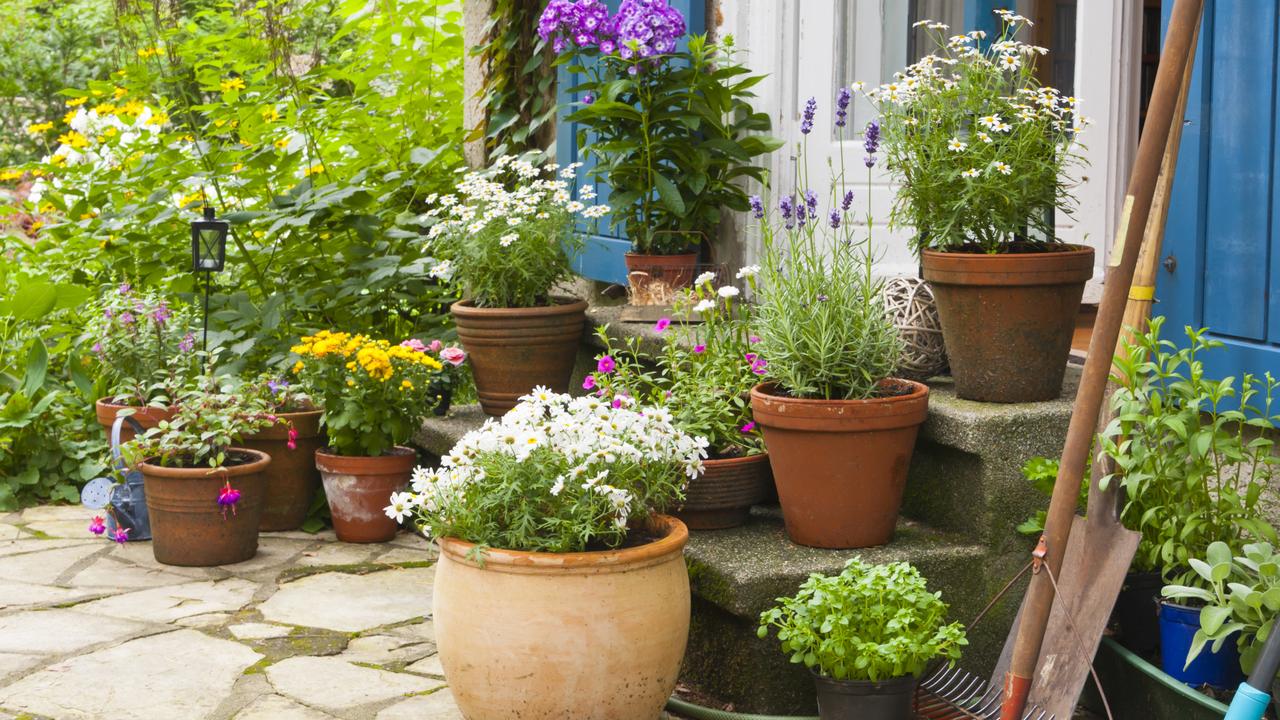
(187,525)
(658,275)
(359,489)
(1007,319)
(146,415)
(547,635)
(513,350)
(292,477)
(841,465)
(723,495)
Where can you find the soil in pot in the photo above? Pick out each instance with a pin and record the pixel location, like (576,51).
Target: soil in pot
(1178,626)
(1136,613)
(1007,318)
(657,279)
(548,636)
(147,416)
(723,495)
(840,466)
(292,477)
(513,350)
(188,527)
(359,489)
(865,699)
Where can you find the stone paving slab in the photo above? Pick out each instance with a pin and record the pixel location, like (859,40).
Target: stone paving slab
(349,602)
(333,684)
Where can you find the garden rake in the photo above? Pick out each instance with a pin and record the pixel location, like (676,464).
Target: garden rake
(1079,564)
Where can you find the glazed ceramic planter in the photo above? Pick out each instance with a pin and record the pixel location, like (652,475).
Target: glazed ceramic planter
(513,350)
(865,699)
(187,525)
(359,489)
(548,636)
(723,495)
(840,466)
(1007,319)
(292,477)
(146,415)
(658,275)
(1178,627)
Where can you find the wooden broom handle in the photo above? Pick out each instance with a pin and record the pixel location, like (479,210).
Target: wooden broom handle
(1093,382)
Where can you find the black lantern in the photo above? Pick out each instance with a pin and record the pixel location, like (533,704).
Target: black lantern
(208,243)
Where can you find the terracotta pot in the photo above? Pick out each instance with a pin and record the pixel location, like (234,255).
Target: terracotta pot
(548,636)
(1007,319)
(292,477)
(146,416)
(841,465)
(359,490)
(659,274)
(513,350)
(723,495)
(187,525)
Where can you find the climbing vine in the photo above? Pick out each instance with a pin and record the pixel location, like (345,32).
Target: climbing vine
(519,90)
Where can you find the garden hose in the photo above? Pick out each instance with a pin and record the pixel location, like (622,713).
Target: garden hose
(697,712)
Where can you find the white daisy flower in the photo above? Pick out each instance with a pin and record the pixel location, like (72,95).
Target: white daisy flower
(970,173)
(1002,168)
(728,291)
(956,146)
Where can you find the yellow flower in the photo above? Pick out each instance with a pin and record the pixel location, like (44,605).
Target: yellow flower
(66,119)
(88,216)
(133,108)
(105,109)
(237,167)
(77,102)
(46,208)
(313,170)
(351,383)
(35,226)
(110,132)
(185,200)
(230,84)
(406,385)
(58,160)
(37,128)
(297,367)
(74,139)
(150,52)
(119,92)
(270,114)
(6,175)
(160,118)
(282,143)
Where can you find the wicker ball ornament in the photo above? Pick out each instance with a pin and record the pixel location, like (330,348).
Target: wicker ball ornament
(909,301)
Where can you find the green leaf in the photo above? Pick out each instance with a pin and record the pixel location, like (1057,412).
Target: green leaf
(37,367)
(669,194)
(1212,617)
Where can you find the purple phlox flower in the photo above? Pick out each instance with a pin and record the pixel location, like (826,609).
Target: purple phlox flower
(108,313)
(126,318)
(662,325)
(588,382)
(753,339)
(277,386)
(757,206)
(227,498)
(842,106)
(811,199)
(585,23)
(834,218)
(588,98)
(187,343)
(121,535)
(847,201)
(161,314)
(699,349)
(750,426)
(97,525)
(806,120)
(605,364)
(647,28)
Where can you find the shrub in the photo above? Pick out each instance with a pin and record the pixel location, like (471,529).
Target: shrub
(145,349)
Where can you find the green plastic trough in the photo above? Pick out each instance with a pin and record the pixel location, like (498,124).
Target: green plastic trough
(1137,689)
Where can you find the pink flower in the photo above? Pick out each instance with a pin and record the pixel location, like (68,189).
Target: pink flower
(589,382)
(435,346)
(759,365)
(605,365)
(415,345)
(97,526)
(617,403)
(121,535)
(662,325)
(753,339)
(751,357)
(455,356)
(228,498)
(750,426)
(699,349)
(292,444)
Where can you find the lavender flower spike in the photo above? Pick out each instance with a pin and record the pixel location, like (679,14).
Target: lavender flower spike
(871,139)
(806,121)
(834,218)
(842,106)
(847,201)
(757,206)
(811,199)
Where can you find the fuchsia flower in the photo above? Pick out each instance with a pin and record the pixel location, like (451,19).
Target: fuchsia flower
(292,444)
(414,344)
(121,535)
(750,426)
(699,349)
(228,499)
(455,356)
(589,382)
(662,325)
(605,364)
(98,525)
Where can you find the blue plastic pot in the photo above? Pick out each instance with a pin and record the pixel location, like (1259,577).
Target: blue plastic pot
(1178,625)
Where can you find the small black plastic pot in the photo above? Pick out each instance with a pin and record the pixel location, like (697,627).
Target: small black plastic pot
(865,699)
(1136,613)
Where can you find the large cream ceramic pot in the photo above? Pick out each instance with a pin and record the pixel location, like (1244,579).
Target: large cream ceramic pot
(550,636)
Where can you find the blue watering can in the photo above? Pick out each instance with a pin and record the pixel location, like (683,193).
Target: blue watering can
(128,499)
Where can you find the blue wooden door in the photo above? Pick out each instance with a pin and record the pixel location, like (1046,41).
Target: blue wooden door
(1222,239)
(602,257)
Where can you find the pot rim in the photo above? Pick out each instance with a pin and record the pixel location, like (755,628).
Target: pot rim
(562,305)
(395,451)
(591,562)
(740,460)
(201,472)
(764,390)
(1071,265)
(694,254)
(105,403)
(901,680)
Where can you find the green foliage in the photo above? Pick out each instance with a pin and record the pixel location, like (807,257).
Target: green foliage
(1193,454)
(870,622)
(210,420)
(1042,473)
(46,45)
(674,136)
(144,349)
(1242,596)
(980,147)
(519,94)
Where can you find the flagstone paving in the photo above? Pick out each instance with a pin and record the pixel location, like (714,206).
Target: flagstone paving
(309,629)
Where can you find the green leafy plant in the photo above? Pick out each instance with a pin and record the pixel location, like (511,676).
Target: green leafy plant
(507,236)
(555,474)
(144,348)
(870,622)
(1238,596)
(208,422)
(519,93)
(1192,453)
(981,149)
(704,373)
(375,395)
(1042,473)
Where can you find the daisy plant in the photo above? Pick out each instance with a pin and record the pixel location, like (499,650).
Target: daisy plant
(555,474)
(982,150)
(707,367)
(506,237)
(375,395)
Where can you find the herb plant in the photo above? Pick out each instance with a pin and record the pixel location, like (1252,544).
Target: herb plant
(1193,454)
(870,622)
(507,236)
(208,423)
(143,346)
(672,129)
(703,374)
(821,318)
(980,148)
(555,474)
(1042,473)
(375,395)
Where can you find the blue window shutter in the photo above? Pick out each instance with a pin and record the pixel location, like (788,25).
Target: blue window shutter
(980,15)
(604,247)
